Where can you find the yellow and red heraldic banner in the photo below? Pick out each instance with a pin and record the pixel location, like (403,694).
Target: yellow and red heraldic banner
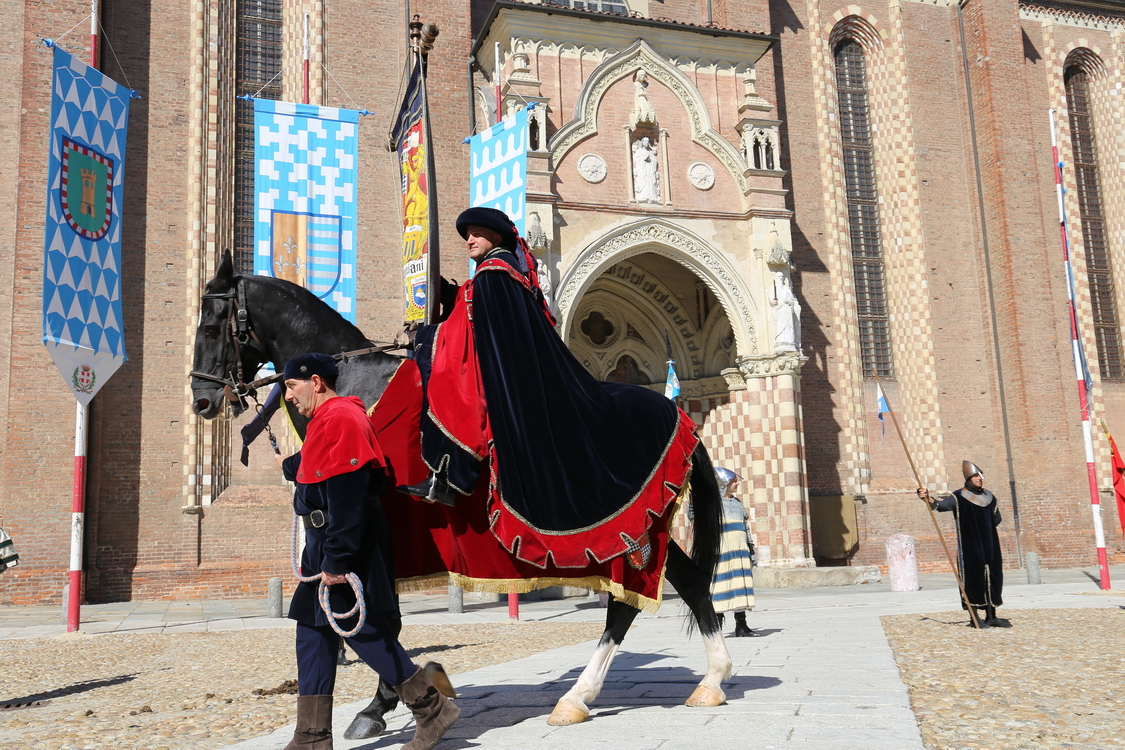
(411,141)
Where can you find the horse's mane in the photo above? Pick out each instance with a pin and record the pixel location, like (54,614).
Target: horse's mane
(309,302)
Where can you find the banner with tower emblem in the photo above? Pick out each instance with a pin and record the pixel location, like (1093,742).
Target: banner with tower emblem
(498,170)
(82,327)
(305,198)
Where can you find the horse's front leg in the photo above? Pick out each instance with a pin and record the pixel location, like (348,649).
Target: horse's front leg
(573,707)
(371,721)
(694,587)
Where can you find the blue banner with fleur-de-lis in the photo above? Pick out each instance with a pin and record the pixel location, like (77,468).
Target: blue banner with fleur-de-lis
(82,326)
(305,198)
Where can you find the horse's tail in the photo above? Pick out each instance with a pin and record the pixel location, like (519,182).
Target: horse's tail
(707,505)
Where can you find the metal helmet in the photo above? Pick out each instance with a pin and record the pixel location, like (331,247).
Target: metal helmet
(969,469)
(724,477)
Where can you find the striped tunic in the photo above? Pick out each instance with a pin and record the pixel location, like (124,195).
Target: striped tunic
(733,587)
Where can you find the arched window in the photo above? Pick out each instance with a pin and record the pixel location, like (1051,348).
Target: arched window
(863,210)
(1099,274)
(257,65)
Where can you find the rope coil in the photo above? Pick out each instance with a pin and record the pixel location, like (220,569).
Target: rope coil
(322,593)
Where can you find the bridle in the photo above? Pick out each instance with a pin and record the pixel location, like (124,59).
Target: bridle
(241,332)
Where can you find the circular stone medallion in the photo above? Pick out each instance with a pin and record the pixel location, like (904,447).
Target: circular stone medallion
(701,175)
(592,168)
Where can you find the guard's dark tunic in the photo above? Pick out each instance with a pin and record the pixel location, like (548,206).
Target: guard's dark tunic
(978,546)
(355,537)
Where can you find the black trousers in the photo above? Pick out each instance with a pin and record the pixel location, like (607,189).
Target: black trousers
(317,647)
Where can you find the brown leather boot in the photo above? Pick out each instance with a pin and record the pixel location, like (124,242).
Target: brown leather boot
(314,723)
(433,713)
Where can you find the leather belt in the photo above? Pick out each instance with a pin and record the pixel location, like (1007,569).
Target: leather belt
(314,520)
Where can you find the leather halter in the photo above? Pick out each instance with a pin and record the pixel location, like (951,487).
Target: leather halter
(241,334)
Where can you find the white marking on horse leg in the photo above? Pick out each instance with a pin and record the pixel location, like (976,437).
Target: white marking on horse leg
(573,707)
(709,692)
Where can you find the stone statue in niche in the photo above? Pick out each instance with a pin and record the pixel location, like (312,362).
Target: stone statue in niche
(646,173)
(535,236)
(643,113)
(786,315)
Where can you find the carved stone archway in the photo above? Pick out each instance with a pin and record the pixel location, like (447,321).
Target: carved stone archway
(664,238)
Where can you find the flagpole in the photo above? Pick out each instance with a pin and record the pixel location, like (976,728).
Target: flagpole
(930,507)
(94,34)
(1080,369)
(305,65)
(81,422)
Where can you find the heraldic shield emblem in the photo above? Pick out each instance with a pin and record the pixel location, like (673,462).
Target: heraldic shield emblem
(86,190)
(306,250)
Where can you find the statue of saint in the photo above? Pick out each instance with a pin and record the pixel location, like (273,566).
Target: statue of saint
(646,177)
(643,113)
(786,315)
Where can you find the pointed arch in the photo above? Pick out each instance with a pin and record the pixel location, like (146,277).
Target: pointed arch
(664,238)
(640,56)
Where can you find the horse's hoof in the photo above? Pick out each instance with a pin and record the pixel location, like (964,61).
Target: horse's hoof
(364,727)
(566,713)
(437,675)
(705,697)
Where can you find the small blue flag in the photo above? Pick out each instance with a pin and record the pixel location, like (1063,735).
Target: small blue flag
(882,406)
(672,385)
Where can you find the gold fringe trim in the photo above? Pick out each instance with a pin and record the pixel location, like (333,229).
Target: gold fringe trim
(527,585)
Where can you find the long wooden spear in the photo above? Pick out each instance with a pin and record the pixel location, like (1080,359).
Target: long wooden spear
(929,507)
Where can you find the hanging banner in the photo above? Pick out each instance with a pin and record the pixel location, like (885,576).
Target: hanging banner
(305,198)
(82,327)
(498,170)
(411,141)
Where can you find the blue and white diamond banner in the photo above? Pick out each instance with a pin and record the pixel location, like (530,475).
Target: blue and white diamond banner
(498,170)
(82,325)
(305,198)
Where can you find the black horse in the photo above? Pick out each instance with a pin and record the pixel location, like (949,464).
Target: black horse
(246,321)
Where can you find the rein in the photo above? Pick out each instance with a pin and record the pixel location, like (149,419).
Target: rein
(241,332)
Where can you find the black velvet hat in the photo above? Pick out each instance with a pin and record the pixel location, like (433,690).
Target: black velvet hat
(307,365)
(488,218)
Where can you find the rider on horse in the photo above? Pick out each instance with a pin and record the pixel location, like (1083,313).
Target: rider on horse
(566,453)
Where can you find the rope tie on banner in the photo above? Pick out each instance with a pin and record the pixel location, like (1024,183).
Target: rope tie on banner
(49,43)
(322,594)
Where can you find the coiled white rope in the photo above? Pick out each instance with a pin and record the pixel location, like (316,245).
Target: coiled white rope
(322,593)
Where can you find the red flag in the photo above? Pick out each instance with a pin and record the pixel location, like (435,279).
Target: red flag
(1118,482)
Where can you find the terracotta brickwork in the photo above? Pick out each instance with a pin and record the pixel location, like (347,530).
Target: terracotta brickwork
(975,290)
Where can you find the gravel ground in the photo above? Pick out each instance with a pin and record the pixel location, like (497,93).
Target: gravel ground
(1055,679)
(196,690)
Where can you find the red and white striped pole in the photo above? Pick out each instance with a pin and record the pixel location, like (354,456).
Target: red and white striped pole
(499,96)
(78,494)
(305,65)
(77,521)
(1079,370)
(94,34)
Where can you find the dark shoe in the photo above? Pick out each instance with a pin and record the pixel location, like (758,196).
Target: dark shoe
(998,622)
(433,713)
(314,723)
(434,490)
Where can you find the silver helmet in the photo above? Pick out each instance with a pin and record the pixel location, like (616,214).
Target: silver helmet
(969,469)
(724,477)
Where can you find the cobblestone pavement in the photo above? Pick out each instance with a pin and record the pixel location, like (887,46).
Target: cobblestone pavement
(1054,679)
(196,690)
(839,669)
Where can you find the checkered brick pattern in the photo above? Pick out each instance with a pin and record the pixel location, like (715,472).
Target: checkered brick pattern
(902,237)
(1105,87)
(756,432)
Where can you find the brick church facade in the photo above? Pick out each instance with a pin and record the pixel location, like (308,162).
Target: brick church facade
(799,200)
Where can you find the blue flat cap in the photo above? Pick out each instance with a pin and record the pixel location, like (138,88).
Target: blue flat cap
(307,365)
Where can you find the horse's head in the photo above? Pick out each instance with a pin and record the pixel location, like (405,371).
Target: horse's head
(217,352)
